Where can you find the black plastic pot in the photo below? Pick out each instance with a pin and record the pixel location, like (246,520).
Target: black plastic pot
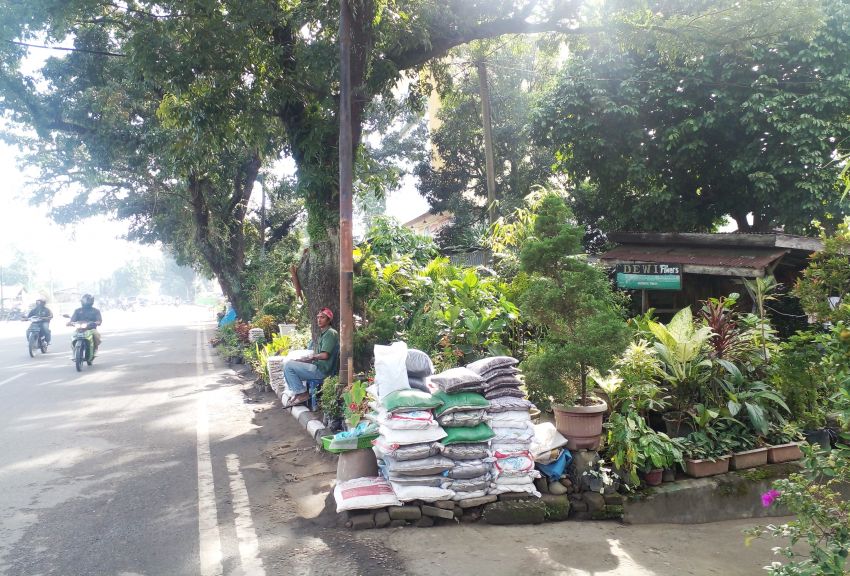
(819,437)
(678,424)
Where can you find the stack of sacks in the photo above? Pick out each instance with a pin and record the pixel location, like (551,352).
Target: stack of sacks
(408,449)
(458,380)
(419,369)
(513,432)
(466,443)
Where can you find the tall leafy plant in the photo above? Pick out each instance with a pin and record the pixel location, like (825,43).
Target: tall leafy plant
(573,302)
(681,346)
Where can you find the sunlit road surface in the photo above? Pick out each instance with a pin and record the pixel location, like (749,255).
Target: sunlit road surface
(134,465)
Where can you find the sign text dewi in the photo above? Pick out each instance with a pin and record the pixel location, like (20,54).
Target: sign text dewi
(649,268)
(649,276)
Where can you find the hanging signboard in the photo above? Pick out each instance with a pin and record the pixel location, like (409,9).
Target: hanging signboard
(649,276)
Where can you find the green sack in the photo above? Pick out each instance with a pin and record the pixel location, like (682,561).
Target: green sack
(459,402)
(455,435)
(409,400)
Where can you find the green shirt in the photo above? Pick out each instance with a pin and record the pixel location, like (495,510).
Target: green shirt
(328,342)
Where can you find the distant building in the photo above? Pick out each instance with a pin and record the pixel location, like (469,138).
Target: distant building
(669,271)
(429,224)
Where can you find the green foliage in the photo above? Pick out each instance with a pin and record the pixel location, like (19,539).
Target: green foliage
(453,178)
(573,301)
(635,447)
(817,541)
(828,276)
(331,400)
(801,380)
(355,402)
(454,314)
(663,139)
(682,347)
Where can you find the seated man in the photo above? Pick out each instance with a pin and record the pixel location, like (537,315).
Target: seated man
(320,364)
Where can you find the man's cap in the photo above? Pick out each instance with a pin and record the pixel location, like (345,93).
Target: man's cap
(327,312)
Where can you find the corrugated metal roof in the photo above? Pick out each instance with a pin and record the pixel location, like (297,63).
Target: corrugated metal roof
(751,258)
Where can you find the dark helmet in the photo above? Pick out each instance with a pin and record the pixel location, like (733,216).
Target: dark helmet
(87,300)
(40,299)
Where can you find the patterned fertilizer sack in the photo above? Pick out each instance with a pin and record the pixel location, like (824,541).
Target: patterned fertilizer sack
(466,419)
(509,404)
(424,467)
(405,452)
(466,450)
(492,363)
(364,494)
(465,469)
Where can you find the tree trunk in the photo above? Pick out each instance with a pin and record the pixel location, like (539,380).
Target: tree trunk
(318,273)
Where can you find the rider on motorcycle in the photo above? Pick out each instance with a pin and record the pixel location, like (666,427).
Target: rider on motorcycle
(42,311)
(88,313)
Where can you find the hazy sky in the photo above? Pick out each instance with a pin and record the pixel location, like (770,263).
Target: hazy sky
(65,254)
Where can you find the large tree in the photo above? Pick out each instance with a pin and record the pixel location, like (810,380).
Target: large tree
(454,178)
(166,111)
(663,141)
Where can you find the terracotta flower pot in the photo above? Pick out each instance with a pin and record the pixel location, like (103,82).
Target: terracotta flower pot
(701,468)
(653,477)
(748,459)
(580,425)
(784,452)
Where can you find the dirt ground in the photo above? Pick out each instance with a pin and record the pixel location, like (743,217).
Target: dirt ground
(301,504)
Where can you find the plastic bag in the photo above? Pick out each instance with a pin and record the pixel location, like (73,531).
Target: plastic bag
(391,368)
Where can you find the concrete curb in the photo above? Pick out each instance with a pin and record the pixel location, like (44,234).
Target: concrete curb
(310,421)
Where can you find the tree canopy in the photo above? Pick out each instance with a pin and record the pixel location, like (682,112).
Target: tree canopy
(165,113)
(676,142)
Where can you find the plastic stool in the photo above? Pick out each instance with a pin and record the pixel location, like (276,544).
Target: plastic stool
(313,386)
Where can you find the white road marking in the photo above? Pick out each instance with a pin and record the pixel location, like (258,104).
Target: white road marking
(210,537)
(249,546)
(15,377)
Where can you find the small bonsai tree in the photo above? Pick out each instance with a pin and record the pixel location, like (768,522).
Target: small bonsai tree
(581,316)
(825,284)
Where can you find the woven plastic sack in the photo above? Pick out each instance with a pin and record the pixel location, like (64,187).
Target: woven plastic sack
(419,383)
(546,439)
(414,420)
(508,403)
(418,363)
(491,363)
(407,493)
(408,400)
(468,484)
(466,451)
(457,380)
(503,371)
(405,452)
(390,370)
(460,496)
(464,469)
(432,481)
(480,433)
(509,419)
(405,437)
(424,467)
(364,494)
(502,392)
(512,465)
(468,418)
(513,435)
(459,401)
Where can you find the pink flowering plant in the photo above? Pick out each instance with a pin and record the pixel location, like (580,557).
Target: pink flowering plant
(822,517)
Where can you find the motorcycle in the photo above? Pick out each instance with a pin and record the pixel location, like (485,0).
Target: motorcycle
(35,335)
(82,343)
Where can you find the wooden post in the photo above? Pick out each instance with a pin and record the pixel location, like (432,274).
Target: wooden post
(346,178)
(490,163)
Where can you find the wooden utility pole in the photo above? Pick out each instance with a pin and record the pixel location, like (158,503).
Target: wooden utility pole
(488,141)
(346,179)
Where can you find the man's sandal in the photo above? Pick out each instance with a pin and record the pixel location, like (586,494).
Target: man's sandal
(297,400)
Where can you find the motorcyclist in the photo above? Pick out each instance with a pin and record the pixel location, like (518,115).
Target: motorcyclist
(88,313)
(42,311)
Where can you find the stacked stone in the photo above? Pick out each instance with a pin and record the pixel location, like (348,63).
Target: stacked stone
(513,432)
(407,448)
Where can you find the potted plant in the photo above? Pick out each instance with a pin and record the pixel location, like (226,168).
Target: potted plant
(331,404)
(582,321)
(746,453)
(634,447)
(685,365)
(784,443)
(705,454)
(601,478)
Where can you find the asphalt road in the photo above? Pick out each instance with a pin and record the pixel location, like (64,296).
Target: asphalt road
(136,465)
